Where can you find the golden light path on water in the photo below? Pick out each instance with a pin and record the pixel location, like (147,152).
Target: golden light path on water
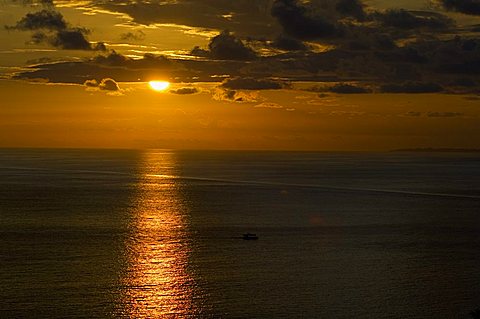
(156,282)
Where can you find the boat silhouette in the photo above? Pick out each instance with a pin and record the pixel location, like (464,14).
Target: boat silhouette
(249,236)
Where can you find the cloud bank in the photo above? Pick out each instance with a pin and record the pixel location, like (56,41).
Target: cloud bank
(338,41)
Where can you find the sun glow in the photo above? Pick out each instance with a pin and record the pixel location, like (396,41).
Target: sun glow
(159,85)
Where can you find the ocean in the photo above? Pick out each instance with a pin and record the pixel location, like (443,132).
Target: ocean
(157,234)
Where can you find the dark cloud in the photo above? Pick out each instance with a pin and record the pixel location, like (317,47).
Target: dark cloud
(185,90)
(138,35)
(99,46)
(395,46)
(228,95)
(112,65)
(199,52)
(411,68)
(50,27)
(353,8)
(464,67)
(41,60)
(471,7)
(44,19)
(244,17)
(71,40)
(367,39)
(287,43)
(222,94)
(302,23)
(403,19)
(470,44)
(251,84)
(226,46)
(343,88)
(39,37)
(112,59)
(455,56)
(106,84)
(411,87)
(91,83)
(369,55)
(434,114)
(464,82)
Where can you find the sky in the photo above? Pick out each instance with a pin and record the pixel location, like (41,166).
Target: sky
(320,75)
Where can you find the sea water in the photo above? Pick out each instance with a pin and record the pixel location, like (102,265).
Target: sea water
(157,234)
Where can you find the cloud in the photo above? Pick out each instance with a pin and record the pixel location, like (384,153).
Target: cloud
(185,90)
(41,60)
(339,88)
(112,65)
(300,22)
(138,35)
(287,43)
(244,17)
(464,82)
(112,59)
(149,61)
(249,83)
(444,114)
(106,84)
(91,83)
(226,46)
(343,88)
(71,40)
(471,7)
(269,105)
(221,94)
(404,19)
(353,8)
(367,39)
(51,28)
(44,19)
(434,114)
(411,87)
(415,66)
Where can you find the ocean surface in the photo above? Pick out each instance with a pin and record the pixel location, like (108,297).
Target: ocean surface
(156,234)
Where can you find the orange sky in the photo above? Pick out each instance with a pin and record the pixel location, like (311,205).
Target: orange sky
(284,104)
(45,115)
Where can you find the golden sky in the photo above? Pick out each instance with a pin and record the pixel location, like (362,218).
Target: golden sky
(287,75)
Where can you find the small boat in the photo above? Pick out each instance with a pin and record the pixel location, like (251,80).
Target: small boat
(249,236)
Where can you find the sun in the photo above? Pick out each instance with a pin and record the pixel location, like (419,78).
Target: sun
(159,85)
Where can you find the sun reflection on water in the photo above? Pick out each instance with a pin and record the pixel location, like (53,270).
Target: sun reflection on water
(156,282)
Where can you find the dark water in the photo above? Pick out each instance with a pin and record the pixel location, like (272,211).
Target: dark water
(153,234)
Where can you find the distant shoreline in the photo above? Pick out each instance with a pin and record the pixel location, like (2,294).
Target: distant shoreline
(438,150)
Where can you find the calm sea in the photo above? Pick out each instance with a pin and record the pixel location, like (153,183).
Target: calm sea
(155,234)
